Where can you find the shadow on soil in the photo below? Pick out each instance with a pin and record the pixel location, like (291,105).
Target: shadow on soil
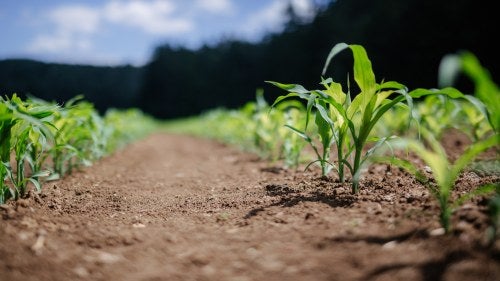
(290,198)
(413,234)
(430,270)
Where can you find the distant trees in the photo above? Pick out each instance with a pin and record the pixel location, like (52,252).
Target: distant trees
(104,86)
(180,82)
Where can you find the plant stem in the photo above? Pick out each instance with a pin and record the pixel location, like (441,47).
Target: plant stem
(324,163)
(20,186)
(340,156)
(445,215)
(356,167)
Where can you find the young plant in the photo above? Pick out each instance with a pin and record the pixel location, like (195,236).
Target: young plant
(253,127)
(485,99)
(467,114)
(438,113)
(444,173)
(293,143)
(485,89)
(34,131)
(348,123)
(266,128)
(344,122)
(37,154)
(79,138)
(5,191)
(6,124)
(271,139)
(123,126)
(21,119)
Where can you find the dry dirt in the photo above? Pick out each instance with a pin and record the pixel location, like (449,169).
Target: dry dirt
(175,207)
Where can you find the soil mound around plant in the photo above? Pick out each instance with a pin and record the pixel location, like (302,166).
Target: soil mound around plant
(173,207)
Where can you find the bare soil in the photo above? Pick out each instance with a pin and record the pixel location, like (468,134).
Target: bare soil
(173,207)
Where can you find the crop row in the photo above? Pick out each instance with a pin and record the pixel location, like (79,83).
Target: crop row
(42,141)
(346,130)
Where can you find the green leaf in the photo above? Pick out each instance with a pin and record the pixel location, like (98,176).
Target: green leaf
(382,96)
(473,151)
(480,191)
(36,183)
(323,162)
(451,92)
(335,50)
(293,88)
(310,103)
(486,89)
(325,126)
(324,115)
(44,173)
(405,164)
(390,85)
(448,70)
(299,133)
(281,98)
(363,73)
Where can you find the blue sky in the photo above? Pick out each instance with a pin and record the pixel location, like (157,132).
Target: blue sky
(113,32)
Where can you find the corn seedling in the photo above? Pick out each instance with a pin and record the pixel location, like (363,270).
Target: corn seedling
(35,133)
(444,173)
(347,123)
(336,115)
(293,144)
(80,137)
(485,89)
(467,114)
(438,112)
(488,93)
(24,131)
(271,138)
(265,129)
(120,127)
(5,191)
(6,124)
(253,127)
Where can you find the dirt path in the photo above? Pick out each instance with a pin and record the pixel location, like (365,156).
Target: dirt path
(179,208)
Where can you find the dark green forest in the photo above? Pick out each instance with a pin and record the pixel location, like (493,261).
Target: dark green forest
(106,87)
(405,40)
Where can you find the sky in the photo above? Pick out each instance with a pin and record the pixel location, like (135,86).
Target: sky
(117,32)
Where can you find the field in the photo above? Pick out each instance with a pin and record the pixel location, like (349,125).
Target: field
(385,184)
(180,208)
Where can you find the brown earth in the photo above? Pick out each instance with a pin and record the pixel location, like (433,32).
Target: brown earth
(180,208)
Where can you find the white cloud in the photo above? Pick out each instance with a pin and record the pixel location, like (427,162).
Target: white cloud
(59,42)
(270,18)
(75,19)
(73,26)
(303,8)
(273,17)
(155,17)
(216,6)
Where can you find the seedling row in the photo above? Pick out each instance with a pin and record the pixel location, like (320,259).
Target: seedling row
(42,141)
